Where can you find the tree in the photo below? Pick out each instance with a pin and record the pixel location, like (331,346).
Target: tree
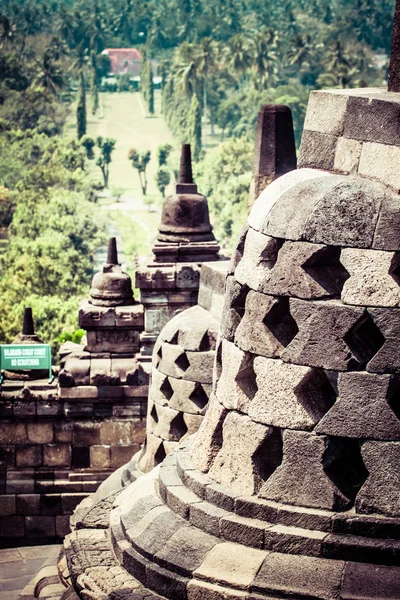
(163,152)
(105,147)
(81,107)
(94,86)
(140,161)
(194,128)
(162,178)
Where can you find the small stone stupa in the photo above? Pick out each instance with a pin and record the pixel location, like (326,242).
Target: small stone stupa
(27,336)
(170,282)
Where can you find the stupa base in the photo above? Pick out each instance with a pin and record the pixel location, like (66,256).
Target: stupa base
(175,534)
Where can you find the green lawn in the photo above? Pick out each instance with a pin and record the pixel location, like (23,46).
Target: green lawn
(123,116)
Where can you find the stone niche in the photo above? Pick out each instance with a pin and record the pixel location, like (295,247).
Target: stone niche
(290,488)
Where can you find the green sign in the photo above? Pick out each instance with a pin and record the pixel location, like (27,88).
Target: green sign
(22,357)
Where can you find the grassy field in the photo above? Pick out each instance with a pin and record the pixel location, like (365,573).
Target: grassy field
(123,117)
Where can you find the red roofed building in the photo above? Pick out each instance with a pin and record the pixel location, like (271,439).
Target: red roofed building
(124,60)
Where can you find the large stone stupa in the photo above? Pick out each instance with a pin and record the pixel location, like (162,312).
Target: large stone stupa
(291,488)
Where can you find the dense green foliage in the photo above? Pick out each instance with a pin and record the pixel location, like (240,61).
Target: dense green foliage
(218,61)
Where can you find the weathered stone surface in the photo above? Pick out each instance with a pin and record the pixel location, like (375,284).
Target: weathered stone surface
(192,423)
(372,120)
(289,396)
(188,396)
(208,441)
(148,458)
(325,335)
(185,550)
(123,371)
(237,253)
(267,326)
(304,576)
(249,532)
(291,208)
(363,409)
(201,590)
(40,433)
(95,316)
(75,372)
(302,479)
(229,564)
(236,464)
(180,330)
(259,256)
(305,270)
(387,232)
(170,424)
(387,358)
(172,359)
(112,340)
(347,214)
(380,492)
(317,150)
(372,279)
(326,112)
(57,455)
(347,156)
(199,368)
(379,162)
(235,298)
(236,385)
(364,581)
(29,456)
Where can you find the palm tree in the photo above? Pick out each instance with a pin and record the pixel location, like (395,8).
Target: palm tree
(265,58)
(336,62)
(239,55)
(49,75)
(186,70)
(207,52)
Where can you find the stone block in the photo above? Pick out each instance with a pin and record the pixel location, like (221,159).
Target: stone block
(116,432)
(21,481)
(100,457)
(62,526)
(8,505)
(306,475)
(100,371)
(120,455)
(237,463)
(387,358)
(259,256)
(70,501)
(347,214)
(113,340)
(185,550)
(95,316)
(372,119)
(12,527)
(152,454)
(366,581)
(379,161)
(13,433)
(299,576)
(201,590)
(40,527)
(40,433)
(372,279)
(78,393)
(208,440)
(27,504)
(236,384)
(199,367)
(86,433)
(50,504)
(347,156)
(78,410)
(75,371)
(187,276)
(328,336)
(169,424)
(379,494)
(388,228)
(289,202)
(124,370)
(207,517)
(7,456)
(363,409)
(289,396)
(234,307)
(170,359)
(305,270)
(24,408)
(326,112)
(29,456)
(294,540)
(130,316)
(248,532)
(80,457)
(231,564)
(49,408)
(163,582)
(155,277)
(150,534)
(192,423)
(317,150)
(179,498)
(57,455)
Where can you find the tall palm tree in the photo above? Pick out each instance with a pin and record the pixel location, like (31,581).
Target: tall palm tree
(49,75)
(265,58)
(239,55)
